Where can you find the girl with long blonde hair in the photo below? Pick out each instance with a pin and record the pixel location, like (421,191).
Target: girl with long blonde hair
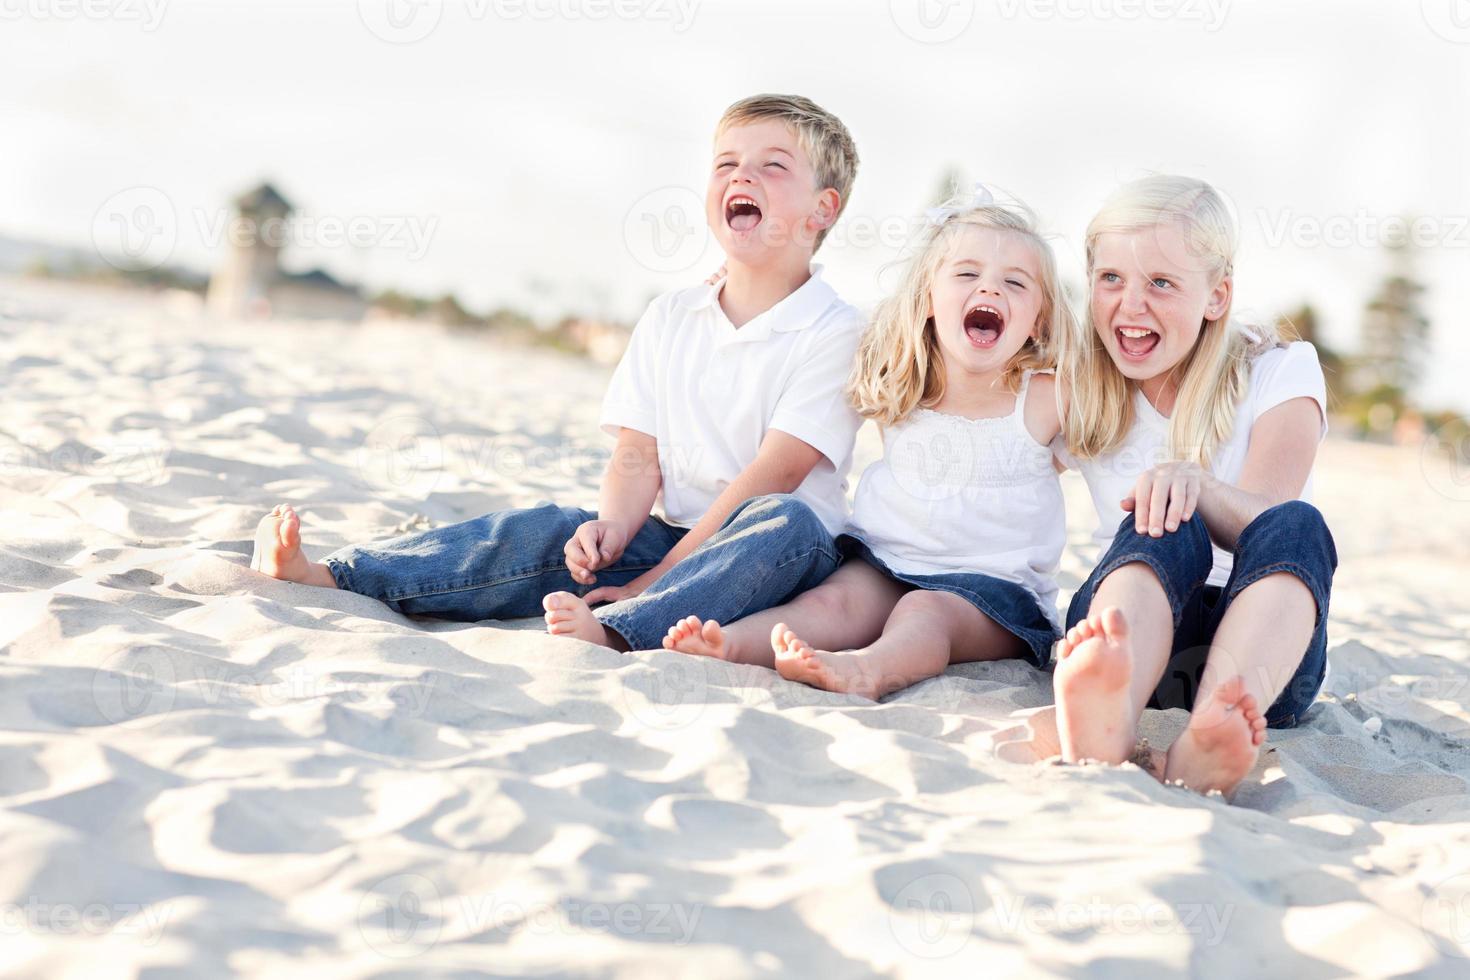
(956,533)
(1197,436)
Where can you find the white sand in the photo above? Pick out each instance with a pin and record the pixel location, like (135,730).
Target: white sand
(203,771)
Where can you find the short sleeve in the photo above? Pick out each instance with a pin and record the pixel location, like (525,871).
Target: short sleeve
(1286,373)
(813,406)
(631,401)
(1062,453)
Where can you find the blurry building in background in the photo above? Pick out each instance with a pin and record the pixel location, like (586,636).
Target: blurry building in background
(248,281)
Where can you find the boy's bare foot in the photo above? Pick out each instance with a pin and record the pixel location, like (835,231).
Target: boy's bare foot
(1095,717)
(569,615)
(702,639)
(278,550)
(841,673)
(1220,745)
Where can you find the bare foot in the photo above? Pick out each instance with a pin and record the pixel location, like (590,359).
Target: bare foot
(1220,744)
(569,615)
(841,673)
(278,550)
(1095,717)
(702,639)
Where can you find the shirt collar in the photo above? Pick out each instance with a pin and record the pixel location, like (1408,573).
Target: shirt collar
(794,312)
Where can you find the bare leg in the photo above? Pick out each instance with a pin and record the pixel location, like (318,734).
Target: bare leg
(1109,664)
(1255,652)
(848,609)
(926,632)
(278,551)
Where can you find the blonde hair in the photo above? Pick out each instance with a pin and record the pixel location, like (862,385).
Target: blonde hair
(900,366)
(1213,376)
(821,135)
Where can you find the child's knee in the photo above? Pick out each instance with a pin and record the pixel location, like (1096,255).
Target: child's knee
(781,512)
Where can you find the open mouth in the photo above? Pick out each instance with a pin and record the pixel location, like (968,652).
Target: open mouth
(742,213)
(1137,342)
(984,325)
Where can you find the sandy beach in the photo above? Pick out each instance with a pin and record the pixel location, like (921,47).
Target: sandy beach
(204,771)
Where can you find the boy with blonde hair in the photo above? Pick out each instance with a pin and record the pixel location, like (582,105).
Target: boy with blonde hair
(728,405)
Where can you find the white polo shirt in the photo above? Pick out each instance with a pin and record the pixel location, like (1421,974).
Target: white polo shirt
(708,392)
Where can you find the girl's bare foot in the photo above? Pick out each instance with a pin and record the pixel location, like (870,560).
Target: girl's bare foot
(841,673)
(278,550)
(568,615)
(1095,717)
(1220,745)
(702,639)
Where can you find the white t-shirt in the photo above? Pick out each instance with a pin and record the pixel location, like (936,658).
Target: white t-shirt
(954,495)
(1277,376)
(708,392)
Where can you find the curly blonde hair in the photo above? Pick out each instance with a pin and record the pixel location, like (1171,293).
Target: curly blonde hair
(900,366)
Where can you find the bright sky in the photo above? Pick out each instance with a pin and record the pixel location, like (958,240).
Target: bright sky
(547,152)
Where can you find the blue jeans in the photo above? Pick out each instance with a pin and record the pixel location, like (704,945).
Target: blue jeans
(1290,537)
(501,565)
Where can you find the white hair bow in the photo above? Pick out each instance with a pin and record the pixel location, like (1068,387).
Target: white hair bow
(980,197)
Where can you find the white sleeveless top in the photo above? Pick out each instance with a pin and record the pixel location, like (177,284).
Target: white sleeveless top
(953,494)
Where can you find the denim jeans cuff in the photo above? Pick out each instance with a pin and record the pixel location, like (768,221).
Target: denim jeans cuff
(1296,570)
(624,627)
(341,573)
(1177,597)
(1321,541)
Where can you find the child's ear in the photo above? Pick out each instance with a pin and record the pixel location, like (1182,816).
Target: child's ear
(829,202)
(1219,299)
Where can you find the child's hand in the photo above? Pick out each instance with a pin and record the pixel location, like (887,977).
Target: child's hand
(1164,496)
(720,273)
(613,593)
(596,544)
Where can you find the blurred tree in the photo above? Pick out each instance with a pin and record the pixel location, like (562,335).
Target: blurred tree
(1395,339)
(448,311)
(1303,324)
